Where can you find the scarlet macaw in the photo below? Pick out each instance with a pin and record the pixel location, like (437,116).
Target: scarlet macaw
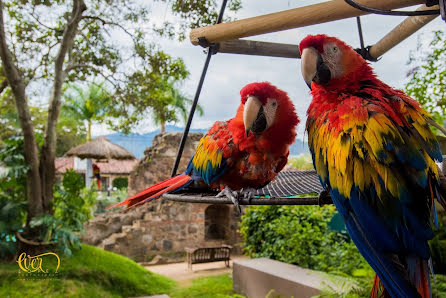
(375,154)
(97,175)
(245,152)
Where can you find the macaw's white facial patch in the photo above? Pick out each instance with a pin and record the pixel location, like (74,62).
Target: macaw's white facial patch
(332,57)
(270,109)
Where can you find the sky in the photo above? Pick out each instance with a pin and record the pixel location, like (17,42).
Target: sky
(228,73)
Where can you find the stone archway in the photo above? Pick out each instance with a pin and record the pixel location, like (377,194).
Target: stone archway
(216,222)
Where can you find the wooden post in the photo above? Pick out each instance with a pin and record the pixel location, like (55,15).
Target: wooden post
(259,48)
(409,26)
(289,19)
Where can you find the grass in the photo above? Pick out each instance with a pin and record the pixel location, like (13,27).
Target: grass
(93,272)
(301,162)
(219,286)
(90,272)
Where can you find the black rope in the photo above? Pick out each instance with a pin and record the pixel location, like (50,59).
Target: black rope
(361,38)
(363,51)
(392,12)
(211,51)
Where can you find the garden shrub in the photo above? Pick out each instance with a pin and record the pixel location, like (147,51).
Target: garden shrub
(12,194)
(120,182)
(300,235)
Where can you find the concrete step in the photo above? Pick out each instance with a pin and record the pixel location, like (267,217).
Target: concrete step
(265,277)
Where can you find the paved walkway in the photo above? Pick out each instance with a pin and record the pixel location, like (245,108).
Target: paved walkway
(180,273)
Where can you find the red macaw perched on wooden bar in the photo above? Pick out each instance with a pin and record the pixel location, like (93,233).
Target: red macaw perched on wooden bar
(245,152)
(375,154)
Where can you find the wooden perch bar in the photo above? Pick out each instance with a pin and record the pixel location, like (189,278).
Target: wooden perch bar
(409,26)
(259,48)
(289,19)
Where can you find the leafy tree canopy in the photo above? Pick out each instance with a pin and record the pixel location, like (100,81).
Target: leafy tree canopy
(427,82)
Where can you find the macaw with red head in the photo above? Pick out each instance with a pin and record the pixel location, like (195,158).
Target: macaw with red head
(375,154)
(245,152)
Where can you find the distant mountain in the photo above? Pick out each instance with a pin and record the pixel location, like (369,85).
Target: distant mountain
(136,143)
(299,147)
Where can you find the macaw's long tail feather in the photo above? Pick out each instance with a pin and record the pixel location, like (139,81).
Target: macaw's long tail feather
(155,191)
(378,290)
(419,274)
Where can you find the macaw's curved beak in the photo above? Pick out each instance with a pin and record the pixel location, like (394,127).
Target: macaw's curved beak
(254,116)
(313,67)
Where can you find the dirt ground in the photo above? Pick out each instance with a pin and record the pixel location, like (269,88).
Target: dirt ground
(180,273)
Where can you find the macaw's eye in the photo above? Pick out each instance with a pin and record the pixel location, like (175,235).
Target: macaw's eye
(335,49)
(274,103)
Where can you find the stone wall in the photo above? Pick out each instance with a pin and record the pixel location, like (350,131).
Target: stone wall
(158,160)
(170,229)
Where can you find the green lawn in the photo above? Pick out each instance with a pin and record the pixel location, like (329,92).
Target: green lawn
(90,272)
(93,272)
(219,286)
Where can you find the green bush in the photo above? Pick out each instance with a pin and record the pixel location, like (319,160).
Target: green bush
(438,249)
(300,235)
(120,182)
(72,206)
(12,194)
(115,197)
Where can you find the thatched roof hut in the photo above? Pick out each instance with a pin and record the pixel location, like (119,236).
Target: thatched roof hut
(100,148)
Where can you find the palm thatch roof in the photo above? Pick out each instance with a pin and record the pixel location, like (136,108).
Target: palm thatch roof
(100,148)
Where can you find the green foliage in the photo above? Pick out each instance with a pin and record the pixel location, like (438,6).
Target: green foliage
(169,102)
(120,182)
(72,207)
(207,287)
(115,197)
(90,272)
(439,286)
(194,13)
(438,249)
(72,201)
(150,90)
(12,194)
(299,235)
(428,76)
(87,104)
(71,132)
(301,162)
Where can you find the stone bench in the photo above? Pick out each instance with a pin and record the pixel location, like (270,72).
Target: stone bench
(265,277)
(208,254)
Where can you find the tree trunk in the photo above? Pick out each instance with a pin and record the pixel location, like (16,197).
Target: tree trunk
(15,81)
(88,130)
(163,126)
(48,154)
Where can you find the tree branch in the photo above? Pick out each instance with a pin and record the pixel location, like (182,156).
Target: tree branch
(86,66)
(17,84)
(3,85)
(105,22)
(49,148)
